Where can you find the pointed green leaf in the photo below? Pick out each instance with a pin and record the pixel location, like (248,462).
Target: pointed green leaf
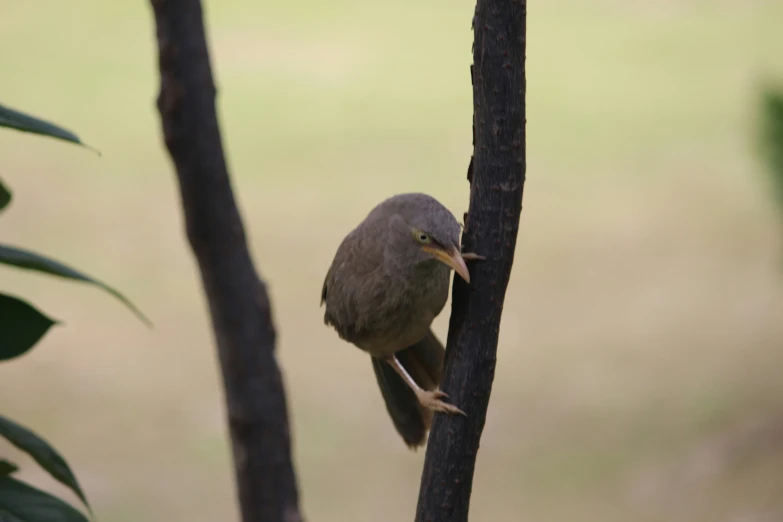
(20,502)
(31,261)
(5,195)
(7,467)
(21,326)
(26,123)
(45,455)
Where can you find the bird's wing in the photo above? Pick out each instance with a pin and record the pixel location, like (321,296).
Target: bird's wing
(351,283)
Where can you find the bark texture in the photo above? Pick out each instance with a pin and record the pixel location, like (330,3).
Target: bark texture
(497,176)
(238,302)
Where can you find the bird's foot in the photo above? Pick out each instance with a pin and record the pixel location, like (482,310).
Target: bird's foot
(472,256)
(432,401)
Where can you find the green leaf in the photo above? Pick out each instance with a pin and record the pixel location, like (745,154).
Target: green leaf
(31,261)
(26,123)
(772,137)
(5,195)
(42,452)
(20,502)
(7,467)
(21,326)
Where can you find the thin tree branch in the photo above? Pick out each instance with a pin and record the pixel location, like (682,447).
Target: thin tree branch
(497,177)
(238,302)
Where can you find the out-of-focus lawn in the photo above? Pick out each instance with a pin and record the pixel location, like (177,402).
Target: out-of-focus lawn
(639,366)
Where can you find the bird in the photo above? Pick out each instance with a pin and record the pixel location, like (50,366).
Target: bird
(388,281)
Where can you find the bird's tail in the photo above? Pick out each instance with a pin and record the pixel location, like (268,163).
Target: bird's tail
(424,362)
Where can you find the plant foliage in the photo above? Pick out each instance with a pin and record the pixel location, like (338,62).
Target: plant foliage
(772,138)
(21,327)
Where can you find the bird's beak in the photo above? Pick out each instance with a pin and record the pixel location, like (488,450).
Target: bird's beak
(452,259)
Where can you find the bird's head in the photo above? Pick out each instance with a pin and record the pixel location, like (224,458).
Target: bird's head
(422,230)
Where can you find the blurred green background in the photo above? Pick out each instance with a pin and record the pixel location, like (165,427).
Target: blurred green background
(640,351)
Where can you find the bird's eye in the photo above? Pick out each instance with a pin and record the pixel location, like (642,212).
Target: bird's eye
(421,237)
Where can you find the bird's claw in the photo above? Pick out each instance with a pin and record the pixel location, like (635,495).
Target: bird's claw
(432,401)
(472,256)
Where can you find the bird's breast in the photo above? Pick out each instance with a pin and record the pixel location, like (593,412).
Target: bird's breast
(400,313)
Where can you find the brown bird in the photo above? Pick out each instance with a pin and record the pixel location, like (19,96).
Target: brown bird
(388,281)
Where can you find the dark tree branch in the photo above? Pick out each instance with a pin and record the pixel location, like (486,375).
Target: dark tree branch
(238,302)
(497,176)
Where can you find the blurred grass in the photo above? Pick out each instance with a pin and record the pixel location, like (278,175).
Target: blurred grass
(638,375)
